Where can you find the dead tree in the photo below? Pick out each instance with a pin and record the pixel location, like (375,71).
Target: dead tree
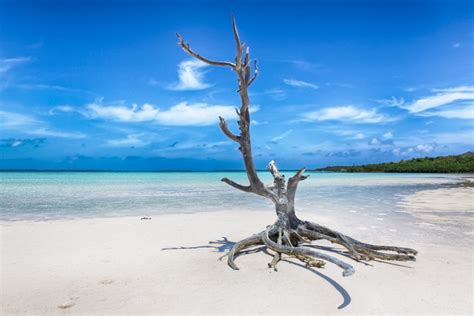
(288,235)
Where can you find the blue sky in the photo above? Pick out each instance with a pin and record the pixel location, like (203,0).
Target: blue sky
(104,86)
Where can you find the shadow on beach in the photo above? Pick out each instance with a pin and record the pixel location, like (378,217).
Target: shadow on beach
(221,245)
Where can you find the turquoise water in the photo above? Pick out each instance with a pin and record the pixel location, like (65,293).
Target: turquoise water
(58,195)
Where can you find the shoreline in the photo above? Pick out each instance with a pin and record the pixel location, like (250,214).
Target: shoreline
(457,182)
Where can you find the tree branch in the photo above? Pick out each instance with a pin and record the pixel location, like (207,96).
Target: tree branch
(238,45)
(293,181)
(245,188)
(255,74)
(226,131)
(187,49)
(256,185)
(278,178)
(272,167)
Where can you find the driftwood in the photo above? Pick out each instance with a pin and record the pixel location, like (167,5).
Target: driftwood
(288,235)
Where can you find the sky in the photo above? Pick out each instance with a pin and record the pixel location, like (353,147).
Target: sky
(104,85)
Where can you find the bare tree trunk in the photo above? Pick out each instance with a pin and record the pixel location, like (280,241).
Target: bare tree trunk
(288,235)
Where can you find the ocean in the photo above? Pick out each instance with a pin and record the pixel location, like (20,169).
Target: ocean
(58,195)
(370,201)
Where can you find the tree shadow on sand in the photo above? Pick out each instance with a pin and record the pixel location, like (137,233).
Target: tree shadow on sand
(221,245)
(224,244)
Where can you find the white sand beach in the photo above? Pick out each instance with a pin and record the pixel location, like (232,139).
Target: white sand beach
(168,264)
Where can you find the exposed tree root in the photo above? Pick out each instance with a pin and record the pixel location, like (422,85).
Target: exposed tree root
(306,232)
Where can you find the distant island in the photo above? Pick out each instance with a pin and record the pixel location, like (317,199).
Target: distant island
(448,164)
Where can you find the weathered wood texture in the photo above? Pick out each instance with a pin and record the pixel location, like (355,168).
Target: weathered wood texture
(288,235)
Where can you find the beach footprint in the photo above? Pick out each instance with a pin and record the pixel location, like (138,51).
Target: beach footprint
(106,281)
(66,305)
(69,304)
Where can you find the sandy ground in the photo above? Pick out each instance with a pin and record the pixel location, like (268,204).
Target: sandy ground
(169,265)
(446,205)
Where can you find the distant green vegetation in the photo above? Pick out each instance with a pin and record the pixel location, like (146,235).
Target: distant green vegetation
(448,164)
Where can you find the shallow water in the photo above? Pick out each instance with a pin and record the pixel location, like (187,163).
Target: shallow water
(368,200)
(49,195)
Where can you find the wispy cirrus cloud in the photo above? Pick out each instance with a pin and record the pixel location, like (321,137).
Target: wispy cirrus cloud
(443,97)
(304,64)
(58,88)
(393,101)
(300,84)
(348,113)
(58,134)
(12,120)
(8,63)
(191,75)
(276,139)
(459,112)
(62,108)
(181,114)
(29,125)
(275,93)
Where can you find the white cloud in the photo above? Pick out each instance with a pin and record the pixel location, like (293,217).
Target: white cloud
(354,134)
(42,87)
(426,148)
(190,76)
(275,93)
(280,137)
(199,114)
(195,114)
(147,112)
(348,113)
(15,120)
(131,140)
(391,102)
(461,112)
(456,89)
(411,151)
(300,84)
(62,108)
(441,98)
(304,65)
(16,143)
(58,134)
(386,139)
(375,141)
(8,63)
(29,125)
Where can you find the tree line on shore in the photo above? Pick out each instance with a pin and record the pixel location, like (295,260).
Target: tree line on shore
(445,164)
